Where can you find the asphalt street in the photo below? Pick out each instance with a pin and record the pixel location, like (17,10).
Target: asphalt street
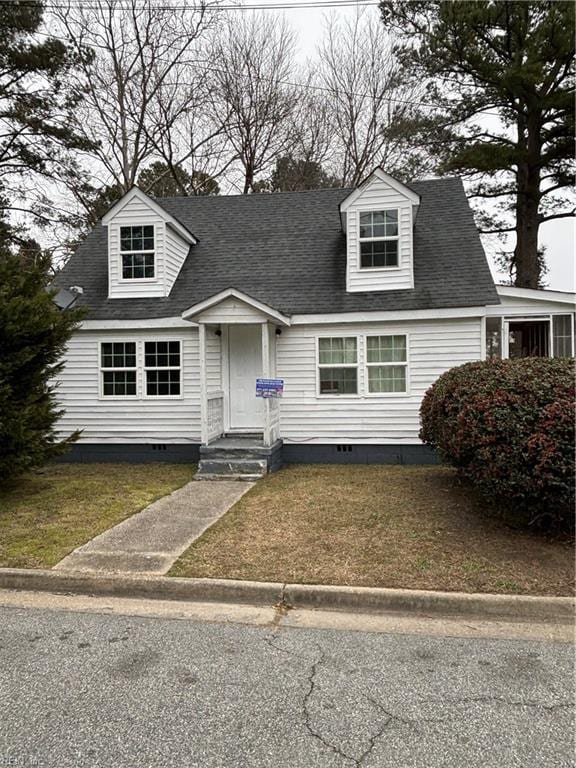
(86,689)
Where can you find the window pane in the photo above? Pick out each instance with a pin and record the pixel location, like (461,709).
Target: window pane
(118,355)
(119,383)
(337,351)
(161,354)
(386,349)
(387,378)
(562,332)
(162,382)
(493,338)
(137,265)
(379,224)
(365,225)
(380,253)
(338,381)
(137,238)
(391,223)
(529,338)
(126,238)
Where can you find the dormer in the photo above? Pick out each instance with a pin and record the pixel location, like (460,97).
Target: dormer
(378,218)
(146,247)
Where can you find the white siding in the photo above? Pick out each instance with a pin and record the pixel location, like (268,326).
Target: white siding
(512,306)
(176,251)
(128,420)
(434,347)
(213,360)
(379,196)
(231,311)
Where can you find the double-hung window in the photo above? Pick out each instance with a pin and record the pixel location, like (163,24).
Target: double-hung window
(387,363)
(137,252)
(162,368)
(338,365)
(379,239)
(118,368)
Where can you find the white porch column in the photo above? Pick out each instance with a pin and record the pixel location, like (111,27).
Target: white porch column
(203,390)
(266,374)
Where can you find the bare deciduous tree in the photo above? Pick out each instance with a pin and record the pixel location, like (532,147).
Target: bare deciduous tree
(366,96)
(253,66)
(143,89)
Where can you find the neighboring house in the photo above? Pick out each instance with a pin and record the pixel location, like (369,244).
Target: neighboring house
(357,298)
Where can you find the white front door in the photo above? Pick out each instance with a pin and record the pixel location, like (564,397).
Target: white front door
(245,366)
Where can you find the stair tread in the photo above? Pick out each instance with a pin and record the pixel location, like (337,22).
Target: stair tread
(210,476)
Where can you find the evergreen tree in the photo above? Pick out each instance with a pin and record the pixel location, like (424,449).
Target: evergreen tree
(292,174)
(33,336)
(37,106)
(163,180)
(501,80)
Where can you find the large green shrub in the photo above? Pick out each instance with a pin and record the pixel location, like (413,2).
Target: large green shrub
(33,336)
(508,426)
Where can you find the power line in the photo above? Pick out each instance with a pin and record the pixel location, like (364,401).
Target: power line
(123,5)
(305,86)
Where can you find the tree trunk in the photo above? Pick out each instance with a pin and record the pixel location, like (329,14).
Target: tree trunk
(527,204)
(248,180)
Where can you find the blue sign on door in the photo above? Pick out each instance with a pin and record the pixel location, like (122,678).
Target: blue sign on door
(269,387)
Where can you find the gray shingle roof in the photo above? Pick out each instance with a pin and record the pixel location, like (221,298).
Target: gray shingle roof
(288,251)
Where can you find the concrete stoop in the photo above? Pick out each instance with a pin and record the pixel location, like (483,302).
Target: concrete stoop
(238,458)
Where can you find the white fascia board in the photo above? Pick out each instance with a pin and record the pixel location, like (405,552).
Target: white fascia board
(134,325)
(135,192)
(390,316)
(229,293)
(563,297)
(378,173)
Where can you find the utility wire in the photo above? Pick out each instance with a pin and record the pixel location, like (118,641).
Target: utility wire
(122,5)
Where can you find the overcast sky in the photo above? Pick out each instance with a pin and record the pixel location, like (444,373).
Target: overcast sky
(557,236)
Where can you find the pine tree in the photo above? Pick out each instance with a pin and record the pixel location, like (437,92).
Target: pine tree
(37,107)
(500,106)
(33,336)
(163,180)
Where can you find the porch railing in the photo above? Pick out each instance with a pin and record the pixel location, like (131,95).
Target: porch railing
(215,415)
(272,425)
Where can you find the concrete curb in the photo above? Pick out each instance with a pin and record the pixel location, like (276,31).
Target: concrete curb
(374,600)
(352,599)
(150,587)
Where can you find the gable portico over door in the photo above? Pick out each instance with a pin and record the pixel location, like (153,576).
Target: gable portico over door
(246,330)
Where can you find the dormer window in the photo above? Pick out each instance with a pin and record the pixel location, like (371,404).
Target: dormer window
(379,239)
(137,252)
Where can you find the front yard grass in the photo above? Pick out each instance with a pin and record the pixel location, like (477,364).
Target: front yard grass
(44,515)
(412,527)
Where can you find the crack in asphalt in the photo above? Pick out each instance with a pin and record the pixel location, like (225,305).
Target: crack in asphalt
(308,716)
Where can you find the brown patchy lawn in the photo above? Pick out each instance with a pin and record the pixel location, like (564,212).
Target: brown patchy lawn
(385,526)
(44,515)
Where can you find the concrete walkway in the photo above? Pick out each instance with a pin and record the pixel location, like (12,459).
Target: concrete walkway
(151,541)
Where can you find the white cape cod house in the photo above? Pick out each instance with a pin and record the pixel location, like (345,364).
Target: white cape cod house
(358,299)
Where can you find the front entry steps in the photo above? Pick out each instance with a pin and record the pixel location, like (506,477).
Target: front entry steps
(238,458)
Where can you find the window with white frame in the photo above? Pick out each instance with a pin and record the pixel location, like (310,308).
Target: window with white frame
(387,363)
(162,368)
(118,368)
(562,336)
(137,252)
(531,336)
(338,365)
(379,239)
